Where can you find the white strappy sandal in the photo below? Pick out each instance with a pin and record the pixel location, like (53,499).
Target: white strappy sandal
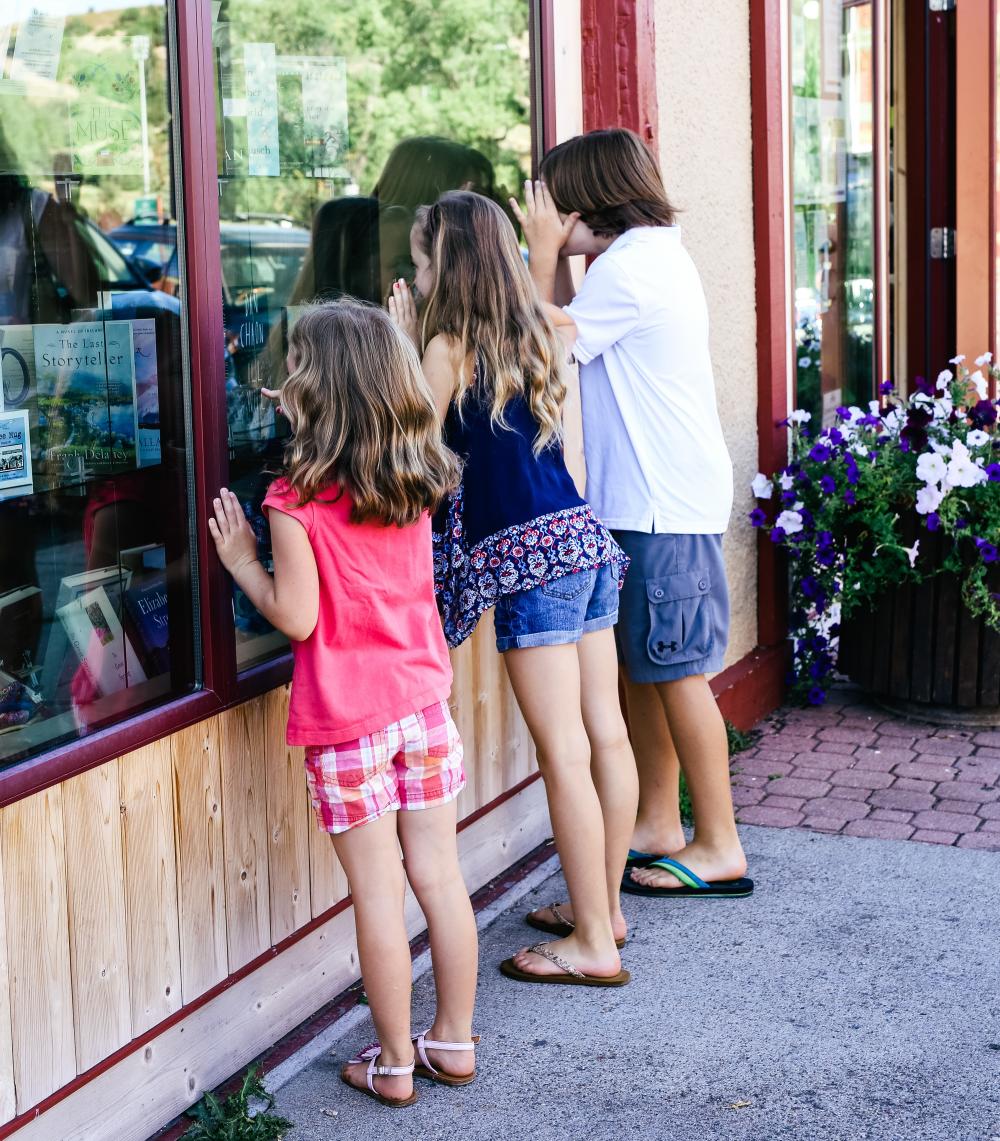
(425,1069)
(371,1056)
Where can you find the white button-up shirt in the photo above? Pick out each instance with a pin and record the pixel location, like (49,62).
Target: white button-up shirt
(656,457)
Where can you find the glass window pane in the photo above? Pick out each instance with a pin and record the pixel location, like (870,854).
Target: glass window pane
(95,598)
(832,186)
(335,122)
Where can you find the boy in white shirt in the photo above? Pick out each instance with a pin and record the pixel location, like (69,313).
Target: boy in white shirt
(658,474)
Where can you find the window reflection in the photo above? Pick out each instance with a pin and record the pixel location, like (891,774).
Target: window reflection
(332,131)
(833,195)
(95,616)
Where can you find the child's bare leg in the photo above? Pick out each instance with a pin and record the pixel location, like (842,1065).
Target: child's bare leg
(430,850)
(699,734)
(370,857)
(658,822)
(612,764)
(546,681)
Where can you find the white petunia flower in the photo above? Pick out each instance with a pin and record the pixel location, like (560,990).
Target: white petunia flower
(790,522)
(804,362)
(977,437)
(860,450)
(958,359)
(762,486)
(911,552)
(874,408)
(787,481)
(945,377)
(984,359)
(894,420)
(929,499)
(942,449)
(978,381)
(962,472)
(800,416)
(931,468)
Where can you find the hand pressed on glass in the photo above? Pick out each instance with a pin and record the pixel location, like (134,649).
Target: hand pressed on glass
(546,231)
(403,311)
(235,542)
(290,599)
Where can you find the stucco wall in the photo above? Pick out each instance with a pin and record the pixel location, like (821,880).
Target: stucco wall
(703,87)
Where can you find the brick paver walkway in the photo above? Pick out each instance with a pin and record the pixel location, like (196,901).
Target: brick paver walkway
(850,767)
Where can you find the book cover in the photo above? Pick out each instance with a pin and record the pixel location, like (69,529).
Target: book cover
(57,662)
(147,393)
(148,623)
(106,655)
(15,455)
(105,111)
(17,367)
(85,380)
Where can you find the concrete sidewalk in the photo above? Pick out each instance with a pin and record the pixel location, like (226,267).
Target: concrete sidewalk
(855,995)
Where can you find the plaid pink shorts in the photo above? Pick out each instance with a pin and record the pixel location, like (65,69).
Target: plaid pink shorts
(413,763)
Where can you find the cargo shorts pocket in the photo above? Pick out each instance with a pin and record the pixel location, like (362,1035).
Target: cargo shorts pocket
(680,617)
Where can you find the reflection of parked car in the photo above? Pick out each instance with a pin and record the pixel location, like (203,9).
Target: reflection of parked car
(260,265)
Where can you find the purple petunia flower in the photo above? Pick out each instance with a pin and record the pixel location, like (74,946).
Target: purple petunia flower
(820,453)
(835,436)
(778,535)
(983,414)
(960,524)
(816,696)
(922,384)
(933,521)
(885,387)
(850,498)
(757,517)
(987,550)
(993,471)
(829,485)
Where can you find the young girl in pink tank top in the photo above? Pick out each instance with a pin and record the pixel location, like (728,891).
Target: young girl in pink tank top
(353,589)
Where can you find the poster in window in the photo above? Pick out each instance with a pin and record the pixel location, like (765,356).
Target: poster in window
(104,117)
(37,47)
(15,454)
(85,376)
(260,67)
(324,109)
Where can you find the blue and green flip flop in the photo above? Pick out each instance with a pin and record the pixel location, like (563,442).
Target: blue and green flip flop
(691,885)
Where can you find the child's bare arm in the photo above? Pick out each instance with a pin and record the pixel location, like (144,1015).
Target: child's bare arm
(290,599)
(442,365)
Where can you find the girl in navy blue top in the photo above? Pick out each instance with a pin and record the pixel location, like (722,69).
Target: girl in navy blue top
(517,536)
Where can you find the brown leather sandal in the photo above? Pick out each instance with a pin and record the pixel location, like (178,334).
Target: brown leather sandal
(562,926)
(571,976)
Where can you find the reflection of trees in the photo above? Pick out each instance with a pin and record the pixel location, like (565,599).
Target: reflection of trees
(457,68)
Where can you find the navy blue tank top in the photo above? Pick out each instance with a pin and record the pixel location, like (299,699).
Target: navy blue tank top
(516,522)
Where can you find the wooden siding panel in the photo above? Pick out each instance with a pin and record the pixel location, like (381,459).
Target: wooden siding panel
(95,882)
(8,1105)
(201,881)
(244,829)
(41,989)
(288,822)
(146,788)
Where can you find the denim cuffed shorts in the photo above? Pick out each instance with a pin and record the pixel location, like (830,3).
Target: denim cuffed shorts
(674,619)
(558,612)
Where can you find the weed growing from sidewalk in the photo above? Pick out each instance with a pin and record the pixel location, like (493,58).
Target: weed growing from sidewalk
(236,1119)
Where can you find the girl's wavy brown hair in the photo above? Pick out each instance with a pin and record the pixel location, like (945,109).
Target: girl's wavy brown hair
(610,179)
(484,299)
(362,416)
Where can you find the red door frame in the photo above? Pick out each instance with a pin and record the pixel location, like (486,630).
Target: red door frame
(619,89)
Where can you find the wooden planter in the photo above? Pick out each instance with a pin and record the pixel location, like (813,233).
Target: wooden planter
(920,652)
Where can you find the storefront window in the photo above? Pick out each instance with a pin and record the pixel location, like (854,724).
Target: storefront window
(335,121)
(95,599)
(833,196)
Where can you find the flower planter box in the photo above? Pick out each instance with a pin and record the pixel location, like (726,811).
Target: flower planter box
(920,652)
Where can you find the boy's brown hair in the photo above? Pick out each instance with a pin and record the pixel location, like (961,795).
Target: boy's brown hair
(610,179)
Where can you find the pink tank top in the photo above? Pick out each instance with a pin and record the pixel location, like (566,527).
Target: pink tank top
(377,653)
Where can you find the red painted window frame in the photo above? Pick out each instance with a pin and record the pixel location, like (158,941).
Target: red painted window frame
(222,686)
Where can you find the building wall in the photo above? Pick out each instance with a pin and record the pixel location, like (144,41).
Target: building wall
(703,88)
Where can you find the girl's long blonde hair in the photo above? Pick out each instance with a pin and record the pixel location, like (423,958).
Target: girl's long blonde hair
(362,416)
(484,299)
